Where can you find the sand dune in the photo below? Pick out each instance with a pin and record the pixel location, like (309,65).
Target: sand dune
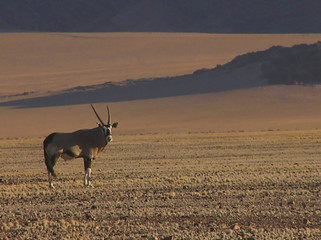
(202,81)
(39,63)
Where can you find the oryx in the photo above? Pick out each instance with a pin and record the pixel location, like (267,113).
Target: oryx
(86,144)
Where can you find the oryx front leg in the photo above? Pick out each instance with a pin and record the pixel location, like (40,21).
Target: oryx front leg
(87,178)
(50,180)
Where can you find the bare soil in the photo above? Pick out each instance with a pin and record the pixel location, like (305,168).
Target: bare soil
(237,185)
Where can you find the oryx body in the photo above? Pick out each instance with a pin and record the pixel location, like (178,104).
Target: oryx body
(86,144)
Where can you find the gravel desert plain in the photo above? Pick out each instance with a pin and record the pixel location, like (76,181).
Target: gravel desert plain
(241,164)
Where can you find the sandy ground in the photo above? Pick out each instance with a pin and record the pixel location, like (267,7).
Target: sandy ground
(265,108)
(260,185)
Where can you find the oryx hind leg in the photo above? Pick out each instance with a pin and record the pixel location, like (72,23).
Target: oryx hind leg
(87,178)
(50,163)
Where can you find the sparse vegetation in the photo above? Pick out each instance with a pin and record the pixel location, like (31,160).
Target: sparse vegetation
(238,185)
(297,65)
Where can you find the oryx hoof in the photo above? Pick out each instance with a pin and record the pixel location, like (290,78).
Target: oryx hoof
(89,185)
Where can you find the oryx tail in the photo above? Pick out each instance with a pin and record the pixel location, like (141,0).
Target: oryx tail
(49,160)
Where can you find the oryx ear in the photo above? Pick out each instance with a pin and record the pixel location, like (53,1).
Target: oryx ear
(115,124)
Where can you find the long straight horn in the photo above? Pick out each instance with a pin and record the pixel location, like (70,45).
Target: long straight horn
(109,116)
(101,121)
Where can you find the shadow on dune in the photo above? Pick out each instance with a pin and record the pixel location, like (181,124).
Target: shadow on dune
(201,81)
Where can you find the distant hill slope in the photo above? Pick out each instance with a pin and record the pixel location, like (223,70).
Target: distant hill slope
(210,16)
(300,64)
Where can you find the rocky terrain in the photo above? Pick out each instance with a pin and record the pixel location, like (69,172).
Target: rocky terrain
(237,185)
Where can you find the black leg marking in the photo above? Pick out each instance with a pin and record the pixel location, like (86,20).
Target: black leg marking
(87,163)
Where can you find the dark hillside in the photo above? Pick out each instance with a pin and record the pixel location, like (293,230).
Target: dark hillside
(300,64)
(210,16)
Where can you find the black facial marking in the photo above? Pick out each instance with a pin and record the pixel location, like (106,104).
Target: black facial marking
(108,131)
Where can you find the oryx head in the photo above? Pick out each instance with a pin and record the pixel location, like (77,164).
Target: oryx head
(106,127)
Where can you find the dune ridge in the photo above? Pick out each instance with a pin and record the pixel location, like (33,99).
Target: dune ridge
(42,62)
(299,64)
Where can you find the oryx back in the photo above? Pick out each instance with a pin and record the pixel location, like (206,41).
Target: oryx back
(83,143)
